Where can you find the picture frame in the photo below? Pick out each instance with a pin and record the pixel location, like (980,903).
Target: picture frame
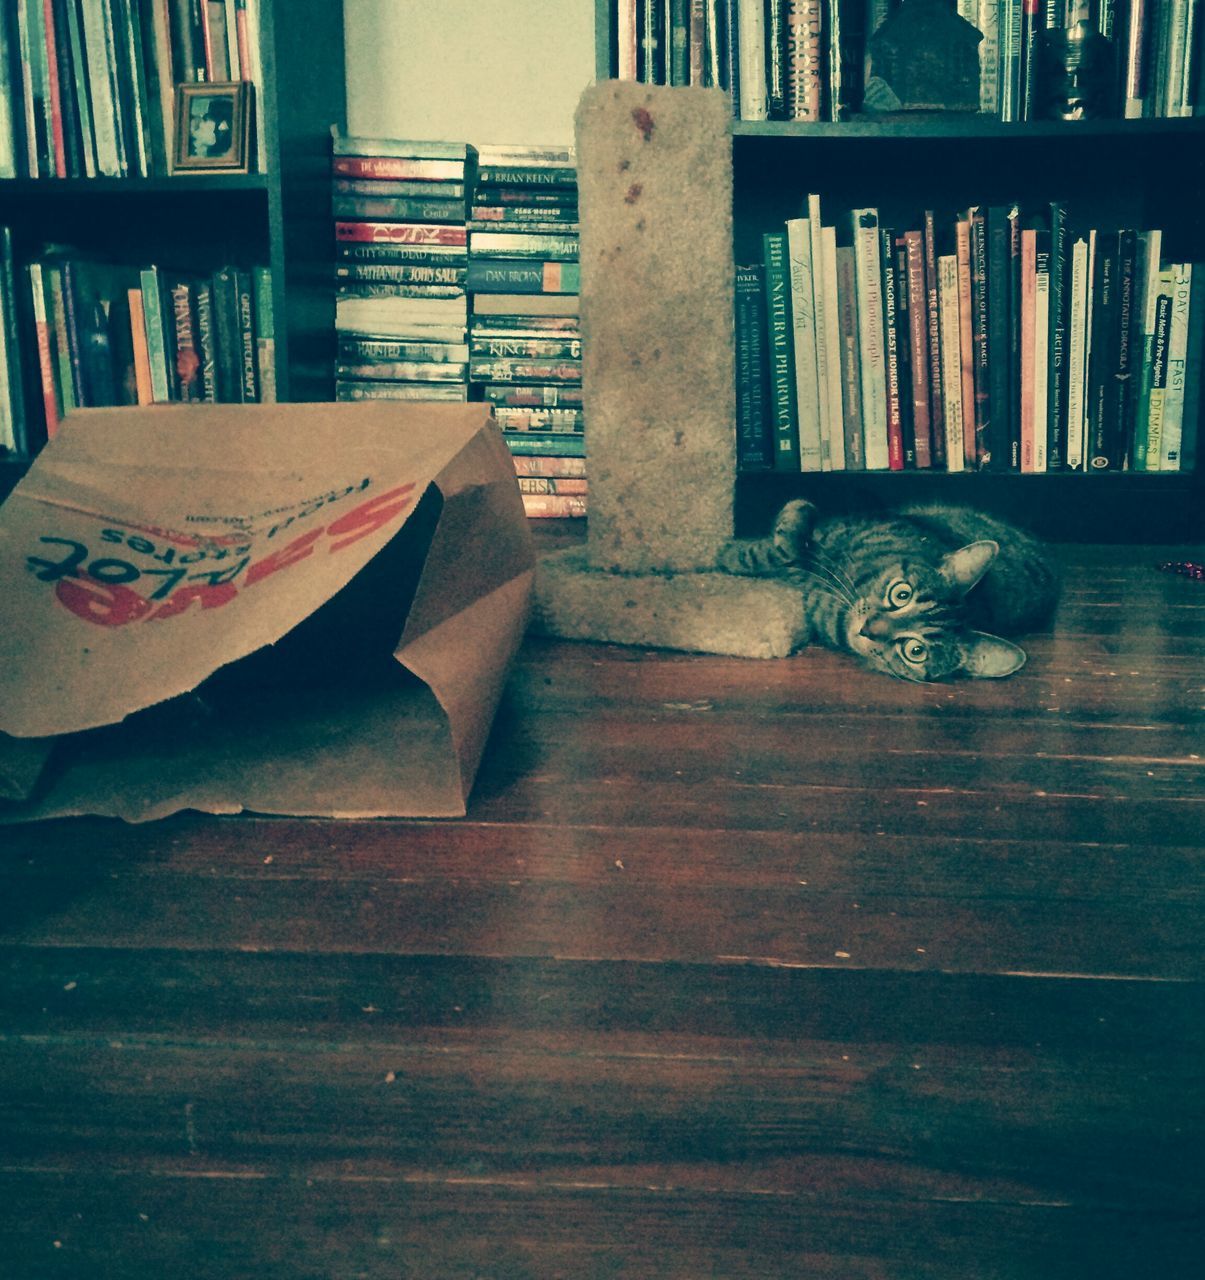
(213,127)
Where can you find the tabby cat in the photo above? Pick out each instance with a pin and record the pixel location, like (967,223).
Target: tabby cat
(908,592)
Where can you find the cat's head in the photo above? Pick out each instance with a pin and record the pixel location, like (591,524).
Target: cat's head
(910,621)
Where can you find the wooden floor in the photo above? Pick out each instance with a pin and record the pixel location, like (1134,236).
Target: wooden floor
(735,969)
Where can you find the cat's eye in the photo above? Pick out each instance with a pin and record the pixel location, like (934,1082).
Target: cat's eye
(898,594)
(914,650)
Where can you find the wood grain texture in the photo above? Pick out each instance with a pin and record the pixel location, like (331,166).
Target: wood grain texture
(735,969)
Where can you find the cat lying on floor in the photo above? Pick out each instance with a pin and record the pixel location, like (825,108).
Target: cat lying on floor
(908,592)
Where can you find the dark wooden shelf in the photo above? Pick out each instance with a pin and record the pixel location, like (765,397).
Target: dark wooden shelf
(183,184)
(1064,506)
(926,128)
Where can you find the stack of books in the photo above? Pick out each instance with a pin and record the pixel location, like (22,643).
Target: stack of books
(999,339)
(77,332)
(524,337)
(89,89)
(401,260)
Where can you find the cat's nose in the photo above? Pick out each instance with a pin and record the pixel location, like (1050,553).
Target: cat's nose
(876,628)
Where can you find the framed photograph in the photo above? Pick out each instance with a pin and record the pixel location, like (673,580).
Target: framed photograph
(213,127)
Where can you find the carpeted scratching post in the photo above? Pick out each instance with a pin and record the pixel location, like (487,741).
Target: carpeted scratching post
(655,193)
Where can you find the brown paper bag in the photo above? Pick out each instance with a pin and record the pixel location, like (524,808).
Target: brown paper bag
(302,609)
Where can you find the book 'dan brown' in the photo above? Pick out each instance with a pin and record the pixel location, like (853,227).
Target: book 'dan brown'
(293,608)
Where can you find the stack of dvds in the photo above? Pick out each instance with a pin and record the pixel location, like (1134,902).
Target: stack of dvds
(524,339)
(401,246)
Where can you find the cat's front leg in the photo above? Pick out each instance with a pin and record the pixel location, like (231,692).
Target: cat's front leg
(782,549)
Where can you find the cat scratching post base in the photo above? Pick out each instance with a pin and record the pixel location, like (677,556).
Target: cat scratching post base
(658,376)
(699,612)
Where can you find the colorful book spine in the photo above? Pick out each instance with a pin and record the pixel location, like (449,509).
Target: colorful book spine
(1177,356)
(803,331)
(1041,352)
(832,349)
(851,360)
(751,57)
(893,342)
(962,238)
(918,327)
(754,445)
(868,276)
(951,358)
(780,342)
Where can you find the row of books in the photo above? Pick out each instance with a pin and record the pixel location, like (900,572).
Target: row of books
(822,60)
(457,279)
(88,87)
(79,332)
(1000,340)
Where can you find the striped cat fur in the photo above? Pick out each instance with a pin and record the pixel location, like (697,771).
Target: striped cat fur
(923,593)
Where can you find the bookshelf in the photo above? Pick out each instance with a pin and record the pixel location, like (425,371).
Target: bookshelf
(278,217)
(1112,172)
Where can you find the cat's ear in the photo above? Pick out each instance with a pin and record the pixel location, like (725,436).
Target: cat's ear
(793,527)
(964,567)
(989,658)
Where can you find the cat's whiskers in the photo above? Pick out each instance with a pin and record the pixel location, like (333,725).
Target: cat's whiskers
(833,567)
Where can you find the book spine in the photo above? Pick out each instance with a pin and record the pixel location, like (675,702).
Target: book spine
(803,329)
(868,275)
(979,338)
(1128,349)
(144,388)
(962,239)
(265,334)
(832,349)
(679,43)
(1033,22)
(1010,60)
(560,444)
(551,484)
(400,273)
(404,208)
(1077,347)
(999,273)
(100,87)
(1056,364)
(156,334)
(851,360)
(815,230)
(781,344)
(188,359)
(557,506)
(498,276)
(754,446)
(14,434)
(45,349)
(1159,354)
(248,358)
(1014,336)
(627,38)
(1194,371)
(535,465)
(523,348)
(206,341)
(936,396)
(951,359)
(1028,354)
(514,418)
(988,23)
(404,370)
(891,351)
(1177,356)
(805,99)
(1102,454)
(919,348)
(416,233)
(751,53)
(776,58)
(61,345)
(161,82)
(1137,38)
(398,167)
(903,324)
(487,370)
(1041,351)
